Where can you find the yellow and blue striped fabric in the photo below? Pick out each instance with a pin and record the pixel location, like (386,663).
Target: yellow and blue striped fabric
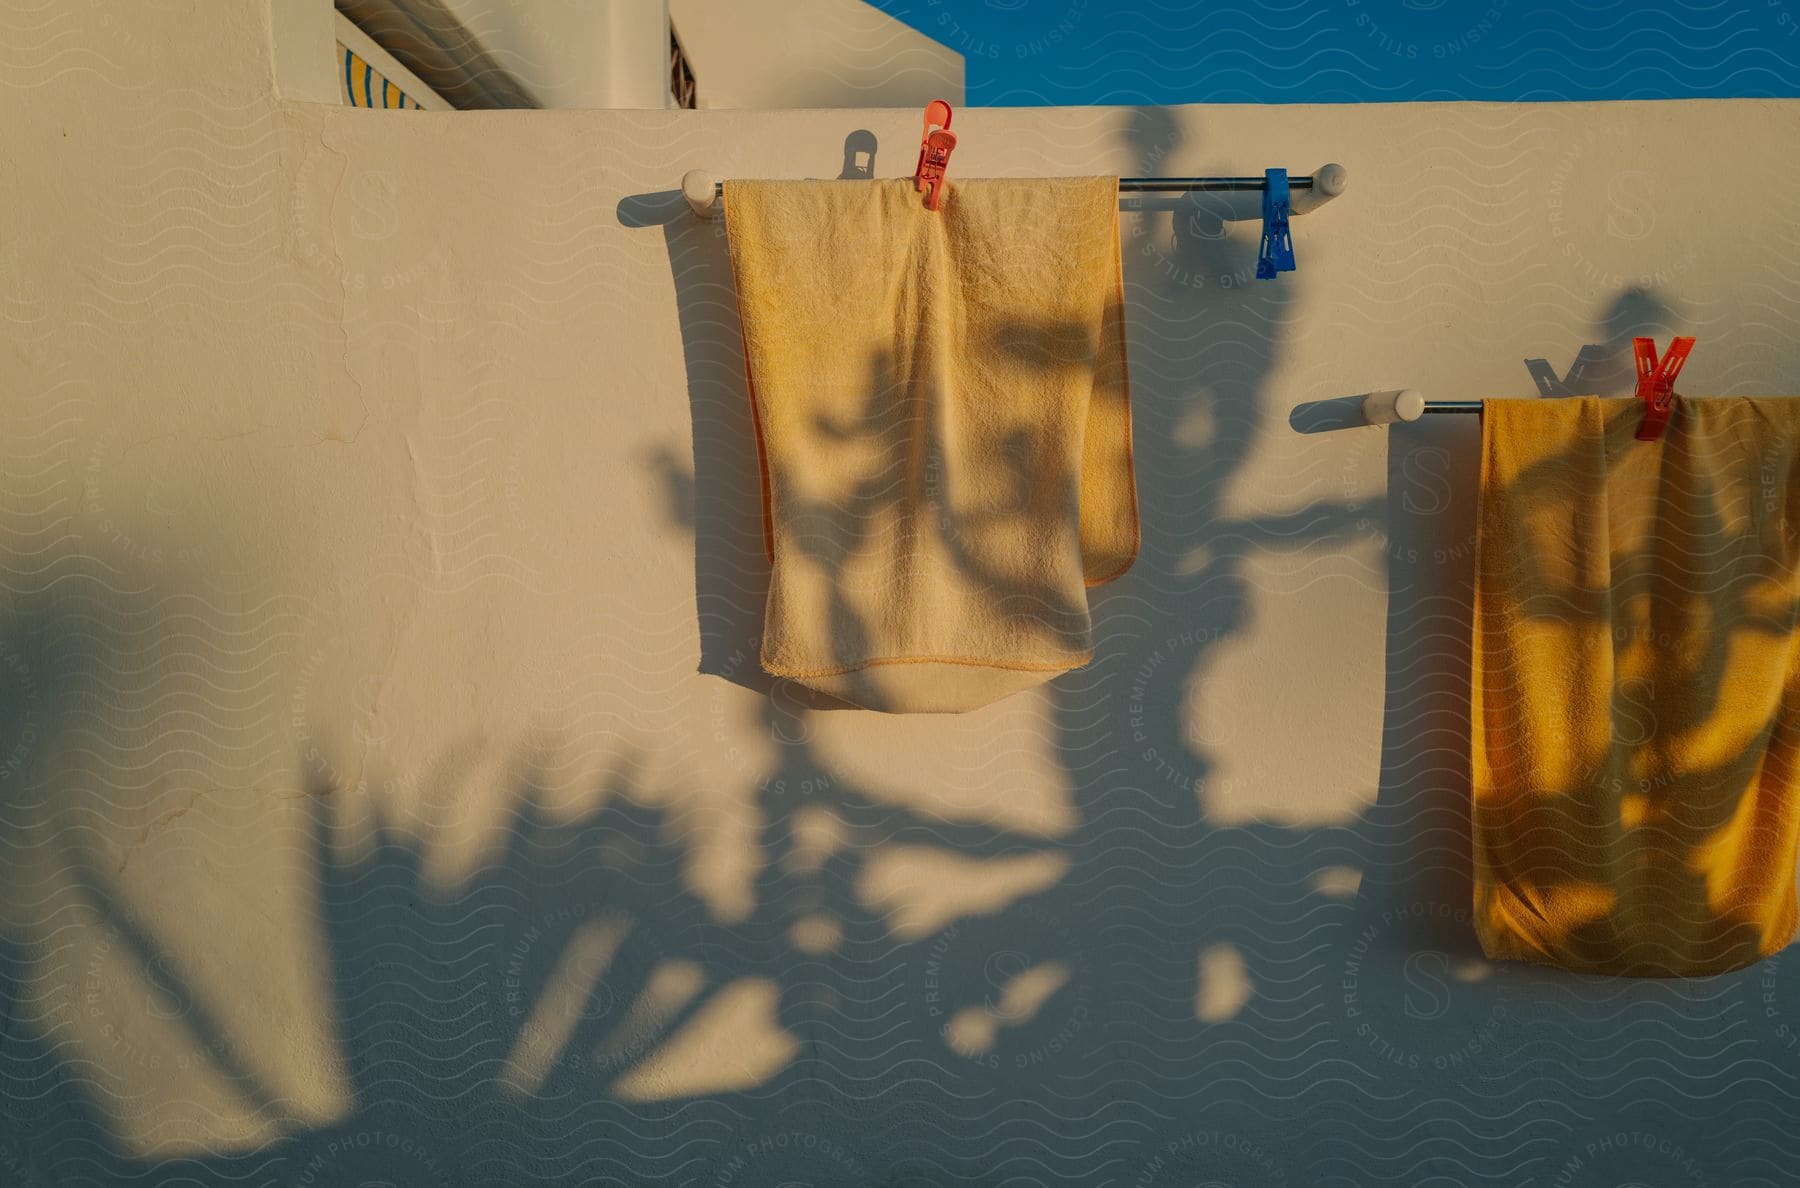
(364,86)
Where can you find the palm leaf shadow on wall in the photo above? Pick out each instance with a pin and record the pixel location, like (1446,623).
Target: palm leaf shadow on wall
(462,1019)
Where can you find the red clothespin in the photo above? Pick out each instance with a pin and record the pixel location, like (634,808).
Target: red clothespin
(1656,382)
(934,154)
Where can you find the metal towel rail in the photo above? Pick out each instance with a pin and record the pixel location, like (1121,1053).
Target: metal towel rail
(703,189)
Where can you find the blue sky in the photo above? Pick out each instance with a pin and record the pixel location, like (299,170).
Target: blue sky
(1033,52)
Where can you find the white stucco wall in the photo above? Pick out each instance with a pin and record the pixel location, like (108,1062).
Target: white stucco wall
(576,53)
(389,793)
(745,53)
(812,53)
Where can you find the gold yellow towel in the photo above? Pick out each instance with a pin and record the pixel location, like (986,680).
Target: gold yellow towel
(943,427)
(1637,684)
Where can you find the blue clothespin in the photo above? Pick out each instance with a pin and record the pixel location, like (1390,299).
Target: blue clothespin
(1277,252)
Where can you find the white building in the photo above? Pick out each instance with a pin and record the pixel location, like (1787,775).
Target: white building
(614,54)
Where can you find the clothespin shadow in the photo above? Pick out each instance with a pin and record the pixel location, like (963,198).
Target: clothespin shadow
(859,156)
(1595,371)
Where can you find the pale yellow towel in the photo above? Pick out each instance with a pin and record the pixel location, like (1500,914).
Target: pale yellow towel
(944,429)
(1637,684)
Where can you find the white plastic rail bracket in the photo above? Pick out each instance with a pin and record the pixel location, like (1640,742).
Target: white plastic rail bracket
(701,189)
(1401,404)
(1329,181)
